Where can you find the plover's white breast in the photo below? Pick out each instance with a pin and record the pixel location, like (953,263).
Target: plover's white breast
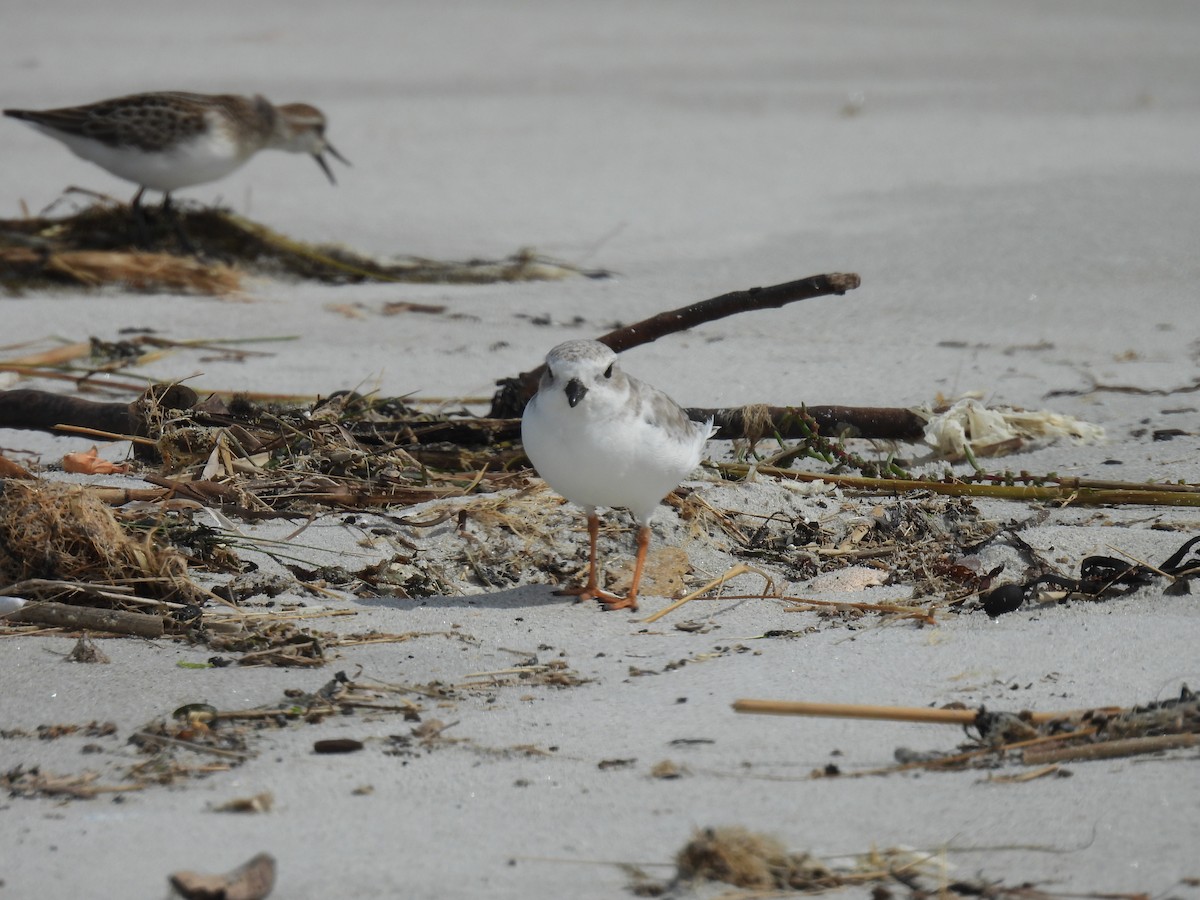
(624,443)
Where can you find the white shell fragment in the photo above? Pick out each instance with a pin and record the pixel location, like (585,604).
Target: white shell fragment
(970,424)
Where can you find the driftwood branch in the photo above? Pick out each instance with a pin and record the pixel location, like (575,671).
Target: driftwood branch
(43,411)
(86,618)
(750,422)
(756,422)
(509,401)
(46,411)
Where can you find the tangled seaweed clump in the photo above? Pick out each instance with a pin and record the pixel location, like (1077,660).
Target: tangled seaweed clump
(59,531)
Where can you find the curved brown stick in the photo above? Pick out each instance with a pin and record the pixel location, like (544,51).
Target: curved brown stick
(514,393)
(694,314)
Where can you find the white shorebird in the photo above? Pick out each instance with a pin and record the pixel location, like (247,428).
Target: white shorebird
(167,140)
(602,438)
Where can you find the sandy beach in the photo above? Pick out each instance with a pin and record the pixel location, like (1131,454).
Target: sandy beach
(1017,187)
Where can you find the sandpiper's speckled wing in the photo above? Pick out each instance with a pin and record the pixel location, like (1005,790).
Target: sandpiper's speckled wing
(148,122)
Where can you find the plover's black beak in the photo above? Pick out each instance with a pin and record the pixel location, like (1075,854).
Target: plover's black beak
(325,166)
(574,391)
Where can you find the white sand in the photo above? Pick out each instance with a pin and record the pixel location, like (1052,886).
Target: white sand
(1017,186)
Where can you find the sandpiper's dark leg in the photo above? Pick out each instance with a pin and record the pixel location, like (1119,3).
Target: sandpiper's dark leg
(141,229)
(185,243)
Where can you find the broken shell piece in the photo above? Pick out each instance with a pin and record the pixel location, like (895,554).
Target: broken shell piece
(89,462)
(252,881)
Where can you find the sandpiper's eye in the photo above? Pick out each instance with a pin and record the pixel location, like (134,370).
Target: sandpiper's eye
(608,371)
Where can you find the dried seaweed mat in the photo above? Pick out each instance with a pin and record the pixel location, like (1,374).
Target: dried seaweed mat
(98,245)
(759,865)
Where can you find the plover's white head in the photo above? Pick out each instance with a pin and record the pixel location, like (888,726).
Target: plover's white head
(577,367)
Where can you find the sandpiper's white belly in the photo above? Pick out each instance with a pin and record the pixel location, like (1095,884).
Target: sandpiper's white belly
(207,157)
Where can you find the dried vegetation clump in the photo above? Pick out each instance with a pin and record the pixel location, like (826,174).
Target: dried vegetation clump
(63,532)
(748,859)
(760,866)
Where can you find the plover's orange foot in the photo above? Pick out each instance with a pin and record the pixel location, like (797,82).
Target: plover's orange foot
(581,593)
(593,592)
(611,601)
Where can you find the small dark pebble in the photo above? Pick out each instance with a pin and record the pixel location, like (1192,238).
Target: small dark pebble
(337,745)
(1003,599)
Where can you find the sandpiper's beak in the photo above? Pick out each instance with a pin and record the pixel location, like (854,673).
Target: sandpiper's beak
(574,391)
(325,166)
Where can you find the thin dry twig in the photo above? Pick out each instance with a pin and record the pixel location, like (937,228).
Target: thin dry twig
(727,575)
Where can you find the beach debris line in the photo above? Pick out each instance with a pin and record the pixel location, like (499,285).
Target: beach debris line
(93,246)
(198,739)
(1099,576)
(38,410)
(1026,738)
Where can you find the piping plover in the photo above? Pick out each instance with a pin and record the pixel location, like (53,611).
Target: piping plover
(600,438)
(168,140)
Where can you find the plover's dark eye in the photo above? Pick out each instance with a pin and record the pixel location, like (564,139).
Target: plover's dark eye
(608,371)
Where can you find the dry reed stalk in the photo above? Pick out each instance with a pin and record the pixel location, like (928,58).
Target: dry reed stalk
(739,569)
(1112,749)
(1071,494)
(106,435)
(907,612)
(113,387)
(890,713)
(54,357)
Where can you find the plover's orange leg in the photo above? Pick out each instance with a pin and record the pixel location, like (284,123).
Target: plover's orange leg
(592,591)
(629,601)
(592,588)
